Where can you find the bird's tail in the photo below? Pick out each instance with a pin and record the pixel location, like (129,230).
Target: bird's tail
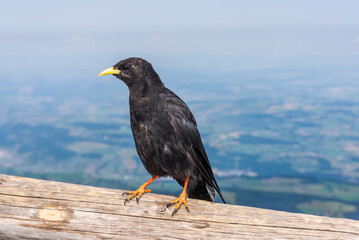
(209,181)
(202,191)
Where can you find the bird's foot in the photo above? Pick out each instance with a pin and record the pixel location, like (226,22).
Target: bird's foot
(138,194)
(180,200)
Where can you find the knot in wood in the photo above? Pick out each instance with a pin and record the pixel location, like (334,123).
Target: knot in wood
(53,213)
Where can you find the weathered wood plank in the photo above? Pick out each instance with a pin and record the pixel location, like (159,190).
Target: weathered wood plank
(38,209)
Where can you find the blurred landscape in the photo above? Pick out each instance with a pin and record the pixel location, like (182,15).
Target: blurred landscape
(284,139)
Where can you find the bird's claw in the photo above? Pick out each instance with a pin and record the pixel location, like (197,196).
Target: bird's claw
(170,205)
(126,201)
(181,200)
(138,194)
(175,211)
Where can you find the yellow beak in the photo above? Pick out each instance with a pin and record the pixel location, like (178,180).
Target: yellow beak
(110,70)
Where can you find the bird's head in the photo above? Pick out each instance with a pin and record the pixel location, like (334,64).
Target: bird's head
(133,71)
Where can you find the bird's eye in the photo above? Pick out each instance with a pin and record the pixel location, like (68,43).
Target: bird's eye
(127,67)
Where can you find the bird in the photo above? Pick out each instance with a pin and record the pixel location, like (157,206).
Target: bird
(166,135)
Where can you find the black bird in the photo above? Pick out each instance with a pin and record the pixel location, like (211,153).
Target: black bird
(165,133)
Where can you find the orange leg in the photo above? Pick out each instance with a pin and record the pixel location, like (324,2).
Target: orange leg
(140,191)
(181,199)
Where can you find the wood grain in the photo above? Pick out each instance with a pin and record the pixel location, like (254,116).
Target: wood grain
(38,209)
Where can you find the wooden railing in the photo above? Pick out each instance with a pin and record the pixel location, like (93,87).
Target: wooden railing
(39,209)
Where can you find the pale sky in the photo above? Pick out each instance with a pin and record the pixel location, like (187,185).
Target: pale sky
(82,37)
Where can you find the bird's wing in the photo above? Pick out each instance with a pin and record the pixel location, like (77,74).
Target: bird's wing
(185,126)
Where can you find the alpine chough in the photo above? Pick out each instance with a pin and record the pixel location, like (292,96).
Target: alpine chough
(165,133)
